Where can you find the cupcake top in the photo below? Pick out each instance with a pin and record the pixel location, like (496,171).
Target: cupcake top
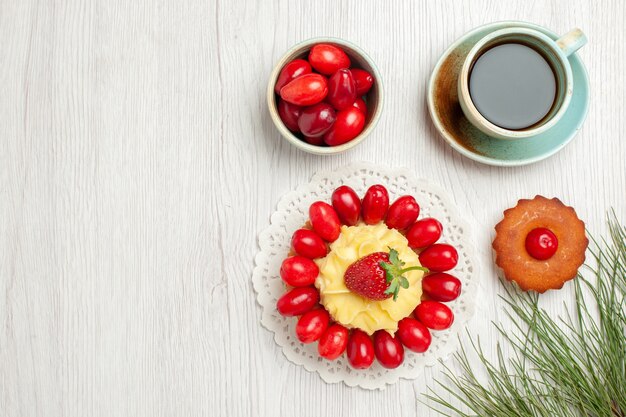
(351,309)
(540,244)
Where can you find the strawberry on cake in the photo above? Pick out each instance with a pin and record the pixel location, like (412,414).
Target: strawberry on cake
(353,285)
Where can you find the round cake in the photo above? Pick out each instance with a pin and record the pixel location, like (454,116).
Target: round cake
(353,310)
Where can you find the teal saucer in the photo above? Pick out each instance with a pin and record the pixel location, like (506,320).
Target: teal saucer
(449,119)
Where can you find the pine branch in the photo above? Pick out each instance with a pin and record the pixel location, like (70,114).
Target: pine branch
(560,367)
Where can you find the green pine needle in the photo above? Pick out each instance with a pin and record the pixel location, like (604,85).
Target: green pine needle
(559,367)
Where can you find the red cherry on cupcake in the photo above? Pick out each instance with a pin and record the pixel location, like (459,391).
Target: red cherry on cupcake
(541,243)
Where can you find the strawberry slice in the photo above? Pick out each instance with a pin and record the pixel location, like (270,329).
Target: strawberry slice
(378,275)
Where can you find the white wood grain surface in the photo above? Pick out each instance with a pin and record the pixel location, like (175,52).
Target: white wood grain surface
(138,162)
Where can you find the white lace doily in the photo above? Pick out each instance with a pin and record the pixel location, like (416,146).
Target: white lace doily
(292,213)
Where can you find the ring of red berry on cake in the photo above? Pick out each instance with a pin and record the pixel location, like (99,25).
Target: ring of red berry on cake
(377,276)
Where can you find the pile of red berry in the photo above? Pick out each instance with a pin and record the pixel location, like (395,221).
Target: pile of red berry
(300,271)
(322,98)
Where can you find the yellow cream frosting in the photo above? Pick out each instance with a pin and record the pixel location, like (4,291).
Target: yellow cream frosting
(352,310)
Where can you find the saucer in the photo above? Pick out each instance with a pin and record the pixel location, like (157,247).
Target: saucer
(445,110)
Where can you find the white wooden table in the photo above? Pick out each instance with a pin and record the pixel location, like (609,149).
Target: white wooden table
(138,162)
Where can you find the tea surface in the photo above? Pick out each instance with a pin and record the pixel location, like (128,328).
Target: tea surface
(512,86)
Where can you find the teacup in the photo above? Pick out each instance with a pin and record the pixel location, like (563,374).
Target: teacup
(554,52)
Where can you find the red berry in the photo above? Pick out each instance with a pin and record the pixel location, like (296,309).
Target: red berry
(375,204)
(289,114)
(325,221)
(312,325)
(402,213)
(541,243)
(317,119)
(424,233)
(291,71)
(305,90)
(299,271)
(388,349)
(333,342)
(308,244)
(363,81)
(414,335)
(317,141)
(367,278)
(347,205)
(327,59)
(348,125)
(360,350)
(341,89)
(441,286)
(434,315)
(359,103)
(439,257)
(377,276)
(297,301)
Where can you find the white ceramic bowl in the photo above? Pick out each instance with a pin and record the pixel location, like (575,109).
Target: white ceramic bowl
(374,98)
